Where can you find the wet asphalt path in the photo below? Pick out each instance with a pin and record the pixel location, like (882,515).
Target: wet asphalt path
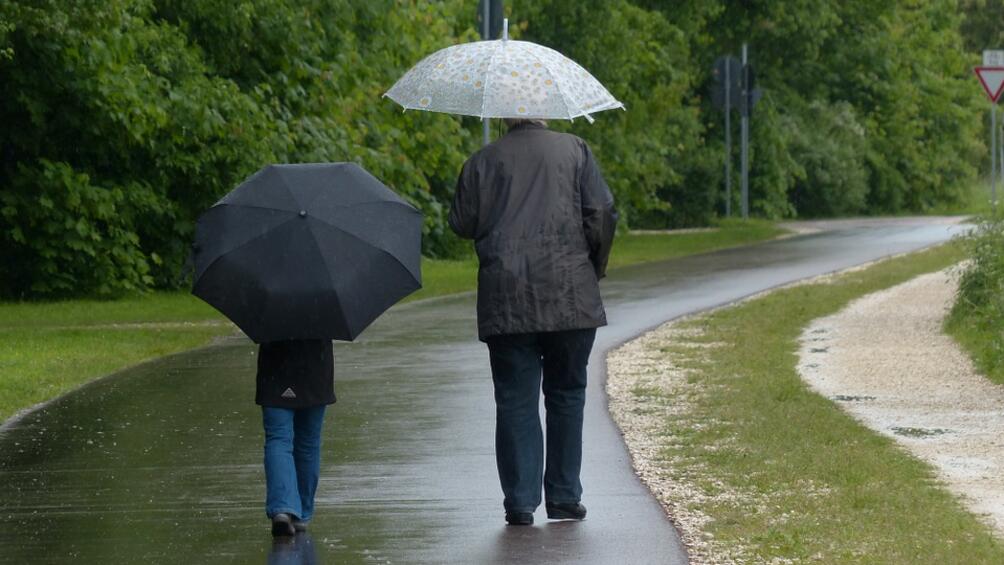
(162,463)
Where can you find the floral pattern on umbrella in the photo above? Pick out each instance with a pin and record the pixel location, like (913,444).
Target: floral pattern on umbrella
(502,79)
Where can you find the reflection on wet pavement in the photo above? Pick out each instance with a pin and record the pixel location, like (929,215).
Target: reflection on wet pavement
(162,463)
(297,550)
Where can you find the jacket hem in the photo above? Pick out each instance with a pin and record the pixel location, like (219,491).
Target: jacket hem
(484,335)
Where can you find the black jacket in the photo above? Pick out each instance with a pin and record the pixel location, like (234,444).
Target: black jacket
(296,374)
(542,219)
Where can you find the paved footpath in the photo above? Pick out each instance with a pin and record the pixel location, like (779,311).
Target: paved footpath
(162,463)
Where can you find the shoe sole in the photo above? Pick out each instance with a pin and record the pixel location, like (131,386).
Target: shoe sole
(564,515)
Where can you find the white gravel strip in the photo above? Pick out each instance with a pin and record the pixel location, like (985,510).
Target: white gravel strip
(646,389)
(885,360)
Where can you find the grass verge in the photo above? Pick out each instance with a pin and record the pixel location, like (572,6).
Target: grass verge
(50,348)
(779,473)
(977,318)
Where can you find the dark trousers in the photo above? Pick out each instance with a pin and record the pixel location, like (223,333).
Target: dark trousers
(518,362)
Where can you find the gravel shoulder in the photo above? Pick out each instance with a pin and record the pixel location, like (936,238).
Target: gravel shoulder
(886,361)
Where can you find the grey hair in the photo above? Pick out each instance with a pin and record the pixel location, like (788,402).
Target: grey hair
(511,123)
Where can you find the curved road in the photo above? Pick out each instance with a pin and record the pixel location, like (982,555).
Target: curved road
(161,463)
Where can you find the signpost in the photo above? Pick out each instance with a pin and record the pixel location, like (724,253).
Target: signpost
(490,14)
(991,76)
(745,132)
(733,88)
(726,95)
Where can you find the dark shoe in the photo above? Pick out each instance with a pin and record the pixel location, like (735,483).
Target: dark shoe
(519,518)
(300,525)
(566,511)
(282,525)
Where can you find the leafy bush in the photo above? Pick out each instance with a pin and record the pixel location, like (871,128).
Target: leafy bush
(977,317)
(74,233)
(829,148)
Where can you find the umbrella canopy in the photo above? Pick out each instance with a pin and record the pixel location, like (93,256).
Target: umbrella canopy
(314,251)
(502,79)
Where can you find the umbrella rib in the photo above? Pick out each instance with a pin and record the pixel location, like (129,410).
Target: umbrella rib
(561,91)
(341,311)
(246,243)
(488,76)
(356,237)
(288,189)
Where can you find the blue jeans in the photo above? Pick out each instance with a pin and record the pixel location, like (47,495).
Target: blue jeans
(292,459)
(518,362)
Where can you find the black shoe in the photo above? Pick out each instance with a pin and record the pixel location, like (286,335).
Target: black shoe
(282,525)
(566,511)
(519,518)
(299,525)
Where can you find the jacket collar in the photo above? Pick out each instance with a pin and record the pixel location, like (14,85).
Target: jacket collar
(527,125)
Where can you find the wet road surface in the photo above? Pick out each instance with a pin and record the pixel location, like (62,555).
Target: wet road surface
(162,463)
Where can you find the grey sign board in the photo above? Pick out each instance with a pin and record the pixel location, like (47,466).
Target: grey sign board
(727,74)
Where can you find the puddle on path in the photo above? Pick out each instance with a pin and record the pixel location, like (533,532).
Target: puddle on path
(919,432)
(851,397)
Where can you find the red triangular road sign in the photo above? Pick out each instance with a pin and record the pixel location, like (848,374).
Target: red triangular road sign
(992,79)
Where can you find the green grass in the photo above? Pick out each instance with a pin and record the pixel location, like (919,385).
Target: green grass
(981,339)
(641,248)
(443,276)
(816,485)
(41,363)
(977,318)
(49,348)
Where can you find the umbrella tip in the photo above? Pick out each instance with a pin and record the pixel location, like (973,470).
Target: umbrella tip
(303,213)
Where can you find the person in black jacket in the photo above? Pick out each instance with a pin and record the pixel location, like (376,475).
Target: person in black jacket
(295,383)
(542,219)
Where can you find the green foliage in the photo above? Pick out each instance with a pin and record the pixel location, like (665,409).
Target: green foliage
(829,149)
(6,51)
(115,127)
(325,87)
(133,116)
(977,318)
(645,60)
(773,163)
(983,24)
(891,83)
(71,232)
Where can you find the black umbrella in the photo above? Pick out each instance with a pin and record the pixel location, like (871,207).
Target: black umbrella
(312,251)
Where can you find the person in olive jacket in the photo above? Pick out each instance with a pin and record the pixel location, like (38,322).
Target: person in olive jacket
(542,219)
(295,383)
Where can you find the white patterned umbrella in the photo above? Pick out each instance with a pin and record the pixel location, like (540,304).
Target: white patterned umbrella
(502,79)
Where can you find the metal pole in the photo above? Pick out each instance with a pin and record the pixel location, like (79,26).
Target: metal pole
(993,157)
(746,140)
(485,34)
(1000,159)
(728,138)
